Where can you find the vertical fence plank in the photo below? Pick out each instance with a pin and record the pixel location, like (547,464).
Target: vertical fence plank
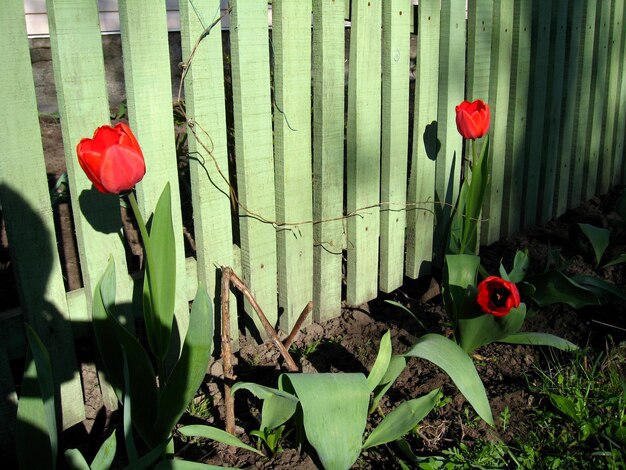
(395,136)
(363,145)
(28,214)
(421,192)
(500,85)
(149,95)
(583,113)
(252,109)
(451,93)
(291,38)
(549,163)
(8,409)
(539,83)
(606,177)
(83,105)
(328,136)
(208,164)
(599,87)
(571,82)
(518,114)
(619,173)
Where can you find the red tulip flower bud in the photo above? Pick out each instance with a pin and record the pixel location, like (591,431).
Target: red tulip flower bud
(472,119)
(112,159)
(497,297)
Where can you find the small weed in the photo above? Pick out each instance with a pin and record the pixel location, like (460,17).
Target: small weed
(200,407)
(307,350)
(505,416)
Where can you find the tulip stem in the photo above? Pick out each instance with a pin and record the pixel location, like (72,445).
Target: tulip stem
(473,153)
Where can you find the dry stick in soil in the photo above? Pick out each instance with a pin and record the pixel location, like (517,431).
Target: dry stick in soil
(229,376)
(296,328)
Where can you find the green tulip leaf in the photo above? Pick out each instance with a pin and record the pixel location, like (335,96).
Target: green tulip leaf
(382,362)
(395,368)
(455,362)
(215,434)
(131,449)
(460,272)
(475,196)
(160,280)
(278,406)
(599,238)
(110,337)
(104,458)
(402,419)
(36,426)
(148,460)
(188,373)
(334,414)
(520,267)
(185,465)
(619,260)
(601,288)
(75,460)
(540,339)
(482,329)
(555,287)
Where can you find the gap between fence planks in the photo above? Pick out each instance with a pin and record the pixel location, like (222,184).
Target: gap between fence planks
(228,278)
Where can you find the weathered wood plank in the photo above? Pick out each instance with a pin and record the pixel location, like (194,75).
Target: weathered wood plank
(252,109)
(27,212)
(363,151)
(328,159)
(451,93)
(539,83)
(572,79)
(205,106)
(395,136)
(599,87)
(8,409)
(146,57)
(550,160)
(619,173)
(607,163)
(585,102)
(421,192)
(291,38)
(518,115)
(500,85)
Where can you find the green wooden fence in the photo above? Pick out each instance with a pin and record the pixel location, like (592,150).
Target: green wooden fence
(311,218)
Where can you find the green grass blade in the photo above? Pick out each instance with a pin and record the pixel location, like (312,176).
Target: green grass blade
(334,411)
(278,406)
(215,434)
(75,460)
(45,379)
(382,362)
(190,369)
(104,458)
(110,336)
(402,419)
(540,339)
(449,356)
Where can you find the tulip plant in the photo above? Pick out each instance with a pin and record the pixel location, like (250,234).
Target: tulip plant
(154,392)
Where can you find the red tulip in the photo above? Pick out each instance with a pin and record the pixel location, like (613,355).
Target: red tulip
(472,119)
(112,159)
(497,297)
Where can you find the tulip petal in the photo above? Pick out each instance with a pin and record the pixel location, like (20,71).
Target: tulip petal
(122,168)
(104,137)
(90,162)
(126,137)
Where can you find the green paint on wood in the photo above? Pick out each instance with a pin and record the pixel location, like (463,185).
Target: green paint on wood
(619,173)
(252,109)
(582,124)
(571,81)
(550,161)
(208,163)
(537,121)
(395,135)
(608,164)
(599,87)
(518,114)
(421,193)
(291,37)
(328,136)
(363,151)
(28,214)
(500,85)
(8,408)
(149,95)
(451,93)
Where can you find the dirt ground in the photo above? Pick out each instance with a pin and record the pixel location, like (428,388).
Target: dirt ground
(350,343)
